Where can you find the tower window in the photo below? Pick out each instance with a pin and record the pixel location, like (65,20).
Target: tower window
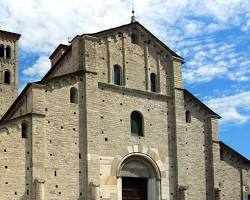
(153,82)
(117,75)
(188,117)
(73,95)
(8,52)
(7,77)
(24,129)
(134,38)
(1,51)
(136,120)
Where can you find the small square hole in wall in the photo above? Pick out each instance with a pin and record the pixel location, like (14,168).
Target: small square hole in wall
(106,139)
(6,167)
(15,193)
(55,173)
(4,150)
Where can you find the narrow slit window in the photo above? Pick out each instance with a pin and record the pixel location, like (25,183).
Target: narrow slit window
(136,119)
(153,82)
(24,129)
(1,51)
(188,116)
(73,95)
(8,52)
(117,75)
(7,77)
(134,38)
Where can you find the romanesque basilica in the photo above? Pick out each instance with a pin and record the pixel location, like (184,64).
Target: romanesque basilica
(111,120)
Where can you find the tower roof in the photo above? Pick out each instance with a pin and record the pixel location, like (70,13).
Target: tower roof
(9,35)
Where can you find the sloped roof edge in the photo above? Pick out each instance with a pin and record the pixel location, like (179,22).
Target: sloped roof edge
(211,112)
(145,29)
(16,36)
(225,146)
(15,102)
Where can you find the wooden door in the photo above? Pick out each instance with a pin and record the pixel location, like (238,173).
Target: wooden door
(134,188)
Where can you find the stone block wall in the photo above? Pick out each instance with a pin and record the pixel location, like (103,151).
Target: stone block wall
(15,161)
(8,92)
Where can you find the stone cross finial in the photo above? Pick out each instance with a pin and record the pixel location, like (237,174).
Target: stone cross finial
(133,13)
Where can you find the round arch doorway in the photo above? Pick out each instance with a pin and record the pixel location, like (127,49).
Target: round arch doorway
(139,178)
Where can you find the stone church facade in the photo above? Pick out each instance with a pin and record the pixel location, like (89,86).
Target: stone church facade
(111,120)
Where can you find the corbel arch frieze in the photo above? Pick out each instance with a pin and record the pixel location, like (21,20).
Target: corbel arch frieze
(4,130)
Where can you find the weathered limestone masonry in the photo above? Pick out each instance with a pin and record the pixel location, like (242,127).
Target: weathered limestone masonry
(111,120)
(238,167)
(8,69)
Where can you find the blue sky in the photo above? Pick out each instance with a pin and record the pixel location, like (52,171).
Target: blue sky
(212,35)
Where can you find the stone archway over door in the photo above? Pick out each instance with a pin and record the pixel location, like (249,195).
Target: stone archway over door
(139,179)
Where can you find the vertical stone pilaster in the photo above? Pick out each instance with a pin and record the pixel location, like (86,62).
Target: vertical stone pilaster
(40,189)
(146,66)
(109,61)
(158,74)
(124,74)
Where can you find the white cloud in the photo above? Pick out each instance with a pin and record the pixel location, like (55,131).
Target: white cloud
(37,70)
(246,27)
(210,59)
(231,107)
(46,23)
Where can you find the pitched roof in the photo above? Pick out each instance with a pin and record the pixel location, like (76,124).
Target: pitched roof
(60,47)
(6,34)
(67,48)
(144,29)
(15,102)
(210,111)
(224,147)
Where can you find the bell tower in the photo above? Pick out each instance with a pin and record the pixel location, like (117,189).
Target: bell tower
(8,69)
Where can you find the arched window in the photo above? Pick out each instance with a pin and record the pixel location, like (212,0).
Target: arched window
(153,82)
(136,120)
(1,51)
(117,75)
(7,77)
(73,95)
(188,117)
(8,52)
(134,38)
(24,129)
